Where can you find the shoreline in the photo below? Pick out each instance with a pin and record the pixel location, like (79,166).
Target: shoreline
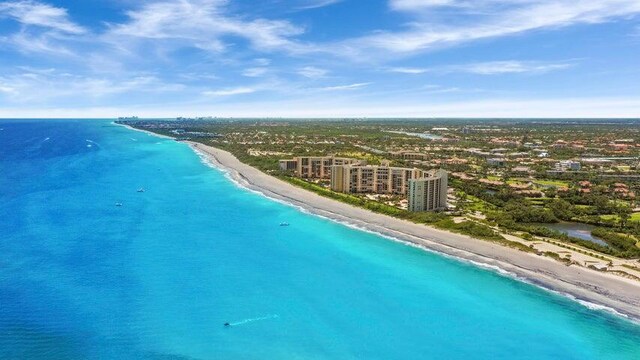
(593,289)
(142,131)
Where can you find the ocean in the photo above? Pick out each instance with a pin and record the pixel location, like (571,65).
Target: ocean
(158,276)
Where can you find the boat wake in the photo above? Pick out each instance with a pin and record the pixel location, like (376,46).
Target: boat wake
(91,143)
(246,321)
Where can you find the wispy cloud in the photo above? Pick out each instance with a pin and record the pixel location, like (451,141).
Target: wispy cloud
(43,28)
(230,92)
(314,4)
(312,72)
(262,61)
(345,87)
(202,24)
(43,85)
(491,68)
(436,89)
(33,13)
(510,67)
(405,70)
(484,19)
(255,72)
(28,43)
(7,89)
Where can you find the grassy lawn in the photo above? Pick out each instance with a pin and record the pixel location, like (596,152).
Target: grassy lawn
(609,217)
(517,182)
(556,183)
(478,204)
(634,217)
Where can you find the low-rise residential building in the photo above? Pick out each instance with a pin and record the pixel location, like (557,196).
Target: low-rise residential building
(568,165)
(408,155)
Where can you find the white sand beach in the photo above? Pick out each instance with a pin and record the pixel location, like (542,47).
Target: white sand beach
(597,288)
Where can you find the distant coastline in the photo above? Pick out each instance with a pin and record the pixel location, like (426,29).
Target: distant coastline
(591,288)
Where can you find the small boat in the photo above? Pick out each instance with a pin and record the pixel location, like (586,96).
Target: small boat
(284,224)
(118,204)
(141,190)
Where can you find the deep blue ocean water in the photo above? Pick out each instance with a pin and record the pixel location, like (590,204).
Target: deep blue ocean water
(156,278)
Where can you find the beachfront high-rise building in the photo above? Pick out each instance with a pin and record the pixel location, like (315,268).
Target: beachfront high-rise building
(428,193)
(315,167)
(375,179)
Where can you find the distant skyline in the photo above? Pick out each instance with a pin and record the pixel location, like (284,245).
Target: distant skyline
(320,58)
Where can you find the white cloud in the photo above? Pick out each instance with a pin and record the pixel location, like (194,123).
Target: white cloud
(314,4)
(346,87)
(431,89)
(33,13)
(404,70)
(484,19)
(43,43)
(40,86)
(491,68)
(255,72)
(312,72)
(411,5)
(510,67)
(43,28)
(262,61)
(203,24)
(5,88)
(230,92)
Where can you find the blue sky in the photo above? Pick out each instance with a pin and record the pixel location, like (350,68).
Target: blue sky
(323,58)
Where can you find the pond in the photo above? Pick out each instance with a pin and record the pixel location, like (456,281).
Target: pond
(577,230)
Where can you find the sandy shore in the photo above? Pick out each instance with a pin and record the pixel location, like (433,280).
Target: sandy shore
(599,289)
(143,131)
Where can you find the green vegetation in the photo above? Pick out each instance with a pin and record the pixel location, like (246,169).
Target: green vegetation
(527,188)
(625,245)
(556,183)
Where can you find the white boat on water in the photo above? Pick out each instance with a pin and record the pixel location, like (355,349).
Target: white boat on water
(284,224)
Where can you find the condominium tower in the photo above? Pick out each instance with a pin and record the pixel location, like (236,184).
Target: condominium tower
(372,179)
(315,167)
(428,193)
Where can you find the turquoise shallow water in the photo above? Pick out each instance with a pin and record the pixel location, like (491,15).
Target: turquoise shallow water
(157,277)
